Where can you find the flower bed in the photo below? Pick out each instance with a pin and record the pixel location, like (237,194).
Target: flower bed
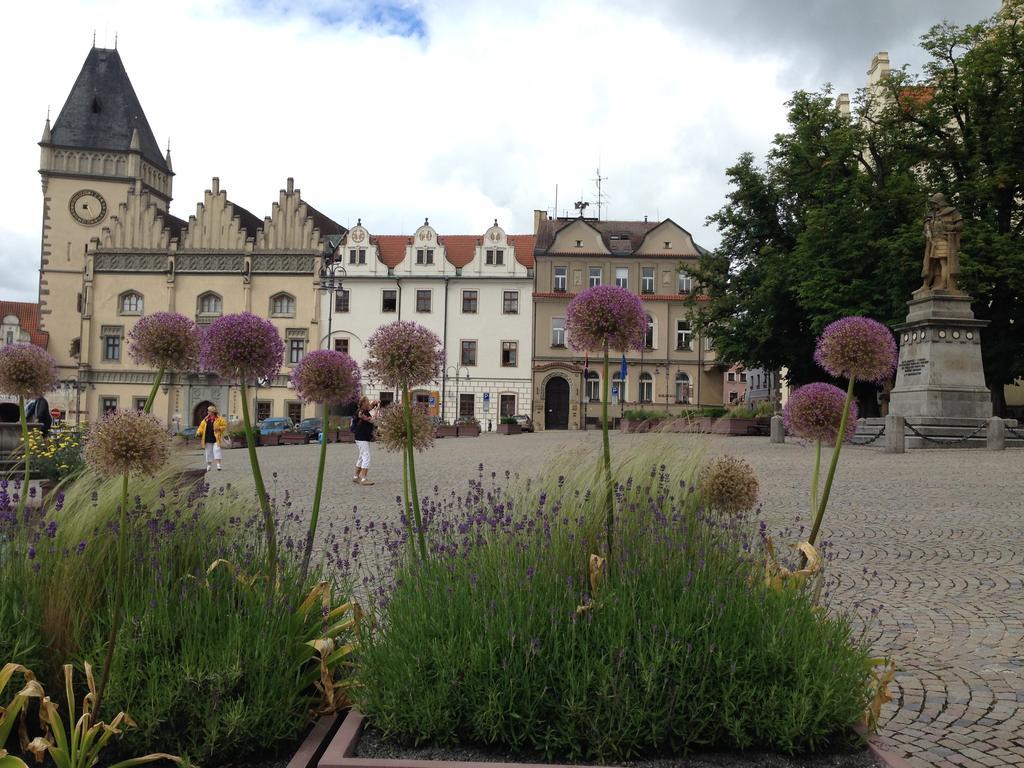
(509,429)
(446,430)
(293,438)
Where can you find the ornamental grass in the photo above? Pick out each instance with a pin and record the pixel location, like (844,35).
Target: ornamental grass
(515,635)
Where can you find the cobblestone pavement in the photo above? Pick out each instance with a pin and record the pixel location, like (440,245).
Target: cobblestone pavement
(943,530)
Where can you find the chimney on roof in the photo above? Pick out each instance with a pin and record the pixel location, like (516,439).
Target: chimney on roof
(645,218)
(538,217)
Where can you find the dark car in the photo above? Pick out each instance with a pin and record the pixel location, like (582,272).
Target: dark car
(309,427)
(189,433)
(276,424)
(524,422)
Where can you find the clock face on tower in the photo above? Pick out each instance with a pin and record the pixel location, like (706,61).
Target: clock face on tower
(88,207)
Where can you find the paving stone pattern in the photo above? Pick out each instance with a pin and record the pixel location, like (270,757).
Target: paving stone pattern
(933,538)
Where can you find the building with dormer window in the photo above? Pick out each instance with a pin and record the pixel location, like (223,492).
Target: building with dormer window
(677,369)
(473,291)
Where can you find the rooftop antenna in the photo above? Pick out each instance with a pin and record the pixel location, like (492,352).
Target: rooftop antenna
(600,198)
(115,41)
(94,38)
(581,206)
(556,201)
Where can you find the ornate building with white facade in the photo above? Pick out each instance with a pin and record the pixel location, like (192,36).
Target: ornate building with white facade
(473,291)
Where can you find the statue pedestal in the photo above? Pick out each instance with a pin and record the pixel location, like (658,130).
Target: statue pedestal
(940,383)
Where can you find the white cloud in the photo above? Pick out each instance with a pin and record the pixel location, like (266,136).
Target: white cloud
(479,119)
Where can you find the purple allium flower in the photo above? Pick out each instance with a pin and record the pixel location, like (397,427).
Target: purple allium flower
(814,411)
(404,354)
(391,428)
(857,348)
(729,485)
(127,443)
(325,376)
(606,314)
(242,346)
(165,340)
(26,370)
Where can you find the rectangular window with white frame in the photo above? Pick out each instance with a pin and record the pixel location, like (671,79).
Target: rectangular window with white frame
(685,282)
(561,279)
(423,300)
(510,302)
(509,354)
(647,280)
(112,336)
(424,256)
(594,278)
(469,302)
(495,256)
(468,356)
(341,300)
(558,332)
(108,405)
(341,345)
(622,277)
(389,300)
(683,335)
(296,349)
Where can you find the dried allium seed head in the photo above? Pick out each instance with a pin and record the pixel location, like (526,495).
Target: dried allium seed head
(165,340)
(814,411)
(403,354)
(606,314)
(242,346)
(391,428)
(857,348)
(729,485)
(26,370)
(325,376)
(127,443)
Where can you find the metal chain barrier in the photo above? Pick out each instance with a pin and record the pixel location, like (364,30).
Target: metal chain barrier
(873,439)
(1019,433)
(947,442)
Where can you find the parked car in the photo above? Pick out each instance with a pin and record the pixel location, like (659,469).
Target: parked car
(309,427)
(276,424)
(525,422)
(189,433)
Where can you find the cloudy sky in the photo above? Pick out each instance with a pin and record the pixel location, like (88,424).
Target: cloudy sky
(458,110)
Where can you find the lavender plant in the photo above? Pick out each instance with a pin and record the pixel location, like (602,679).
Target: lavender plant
(246,347)
(124,444)
(167,341)
(857,349)
(598,319)
(327,378)
(26,371)
(403,355)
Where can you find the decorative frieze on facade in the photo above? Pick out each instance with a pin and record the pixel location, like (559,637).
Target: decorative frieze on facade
(288,263)
(131,262)
(209,262)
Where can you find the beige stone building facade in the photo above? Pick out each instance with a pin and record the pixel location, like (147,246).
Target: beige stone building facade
(676,371)
(112,252)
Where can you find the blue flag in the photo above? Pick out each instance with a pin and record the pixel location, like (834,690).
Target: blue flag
(622,368)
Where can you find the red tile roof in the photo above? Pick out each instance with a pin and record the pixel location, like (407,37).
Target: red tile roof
(524,245)
(391,248)
(28,318)
(459,249)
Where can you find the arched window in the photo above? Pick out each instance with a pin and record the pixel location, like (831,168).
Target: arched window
(649,333)
(593,386)
(129,303)
(209,306)
(282,305)
(682,388)
(646,388)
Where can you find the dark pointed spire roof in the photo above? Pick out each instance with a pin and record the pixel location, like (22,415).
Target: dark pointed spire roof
(102,111)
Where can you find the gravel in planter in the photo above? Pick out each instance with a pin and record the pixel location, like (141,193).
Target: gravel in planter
(372,744)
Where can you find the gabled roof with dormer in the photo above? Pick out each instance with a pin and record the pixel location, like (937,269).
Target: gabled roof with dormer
(102,111)
(28,320)
(616,238)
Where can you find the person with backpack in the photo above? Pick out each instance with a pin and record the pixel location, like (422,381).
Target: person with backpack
(38,410)
(363,426)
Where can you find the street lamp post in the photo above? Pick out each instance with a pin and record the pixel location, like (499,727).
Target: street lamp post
(453,372)
(332,276)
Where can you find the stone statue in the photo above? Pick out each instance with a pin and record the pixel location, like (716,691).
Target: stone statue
(942,227)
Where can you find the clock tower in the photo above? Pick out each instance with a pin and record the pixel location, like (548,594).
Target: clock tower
(99,148)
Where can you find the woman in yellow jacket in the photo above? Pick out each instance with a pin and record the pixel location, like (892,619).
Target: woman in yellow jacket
(210,431)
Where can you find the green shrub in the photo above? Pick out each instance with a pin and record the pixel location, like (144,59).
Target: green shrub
(502,638)
(508,420)
(640,414)
(207,668)
(740,412)
(712,411)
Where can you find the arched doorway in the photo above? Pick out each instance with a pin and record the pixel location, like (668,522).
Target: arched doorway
(200,412)
(556,403)
(10,413)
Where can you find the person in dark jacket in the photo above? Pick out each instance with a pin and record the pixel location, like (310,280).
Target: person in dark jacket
(363,429)
(39,411)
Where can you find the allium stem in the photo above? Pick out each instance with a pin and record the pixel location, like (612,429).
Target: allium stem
(261,494)
(152,393)
(407,411)
(405,493)
(609,492)
(832,467)
(115,627)
(814,479)
(23,496)
(315,513)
